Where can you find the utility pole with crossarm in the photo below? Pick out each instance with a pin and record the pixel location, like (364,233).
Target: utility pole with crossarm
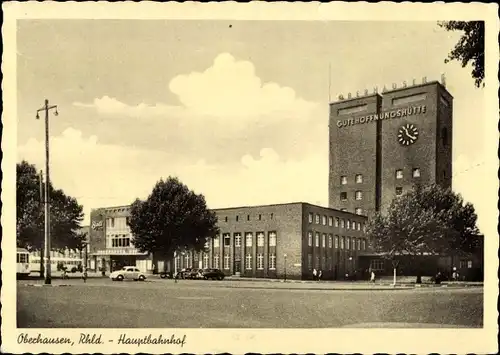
(46,201)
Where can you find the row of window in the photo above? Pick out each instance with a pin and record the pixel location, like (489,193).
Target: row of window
(259,217)
(359,177)
(415,173)
(349,243)
(358,196)
(335,222)
(226,237)
(68,253)
(118,241)
(118,223)
(188,261)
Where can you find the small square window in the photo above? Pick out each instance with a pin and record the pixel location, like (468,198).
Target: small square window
(399,174)
(343,196)
(359,179)
(358,211)
(416,173)
(358,195)
(399,191)
(343,180)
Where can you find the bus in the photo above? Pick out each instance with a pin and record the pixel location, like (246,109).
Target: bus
(23,262)
(71,264)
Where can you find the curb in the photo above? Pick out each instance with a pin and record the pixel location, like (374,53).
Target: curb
(44,285)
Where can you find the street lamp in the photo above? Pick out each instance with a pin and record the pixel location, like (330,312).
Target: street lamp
(285,268)
(46,108)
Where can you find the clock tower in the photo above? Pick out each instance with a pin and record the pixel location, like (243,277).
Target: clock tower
(383,144)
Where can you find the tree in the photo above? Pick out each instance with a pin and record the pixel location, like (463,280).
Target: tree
(173,218)
(65,213)
(425,220)
(470,47)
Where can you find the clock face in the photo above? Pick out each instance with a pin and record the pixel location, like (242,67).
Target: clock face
(407,134)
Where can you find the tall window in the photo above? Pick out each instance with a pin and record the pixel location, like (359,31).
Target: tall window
(189,261)
(348,224)
(363,244)
(237,239)
(316,219)
(309,261)
(248,239)
(337,221)
(316,240)
(330,243)
(272,239)
(336,242)
(342,241)
(323,241)
(343,196)
(358,211)
(309,239)
(377,264)
(216,262)
(311,217)
(205,261)
(177,262)
(260,239)
(227,239)
(359,179)
(343,180)
(226,261)
(323,220)
(248,262)
(354,225)
(272,261)
(330,221)
(358,195)
(348,243)
(399,174)
(260,261)
(216,242)
(416,172)
(342,223)
(359,244)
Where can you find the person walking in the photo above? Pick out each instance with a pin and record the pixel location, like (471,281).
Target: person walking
(315,273)
(320,274)
(372,277)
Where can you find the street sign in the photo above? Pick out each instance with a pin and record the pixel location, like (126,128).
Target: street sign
(395,263)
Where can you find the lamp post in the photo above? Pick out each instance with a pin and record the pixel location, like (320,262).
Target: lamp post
(47,108)
(285,268)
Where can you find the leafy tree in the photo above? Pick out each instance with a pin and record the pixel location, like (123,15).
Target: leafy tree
(470,47)
(425,220)
(173,218)
(65,213)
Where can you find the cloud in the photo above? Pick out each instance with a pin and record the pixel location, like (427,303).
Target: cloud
(227,90)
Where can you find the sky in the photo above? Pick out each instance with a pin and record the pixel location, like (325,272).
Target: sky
(237,110)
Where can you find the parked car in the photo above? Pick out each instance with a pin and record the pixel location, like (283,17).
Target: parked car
(214,274)
(195,274)
(183,273)
(166,275)
(128,273)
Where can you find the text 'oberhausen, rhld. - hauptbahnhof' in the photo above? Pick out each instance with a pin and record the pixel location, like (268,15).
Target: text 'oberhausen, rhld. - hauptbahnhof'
(380,146)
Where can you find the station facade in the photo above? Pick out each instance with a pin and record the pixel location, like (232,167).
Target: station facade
(271,241)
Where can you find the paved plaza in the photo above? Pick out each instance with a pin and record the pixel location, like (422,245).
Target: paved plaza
(101,303)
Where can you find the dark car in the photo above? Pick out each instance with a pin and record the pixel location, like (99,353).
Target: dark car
(214,274)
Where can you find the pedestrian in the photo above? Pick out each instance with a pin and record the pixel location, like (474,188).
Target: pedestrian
(64,275)
(315,273)
(372,277)
(320,274)
(85,275)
